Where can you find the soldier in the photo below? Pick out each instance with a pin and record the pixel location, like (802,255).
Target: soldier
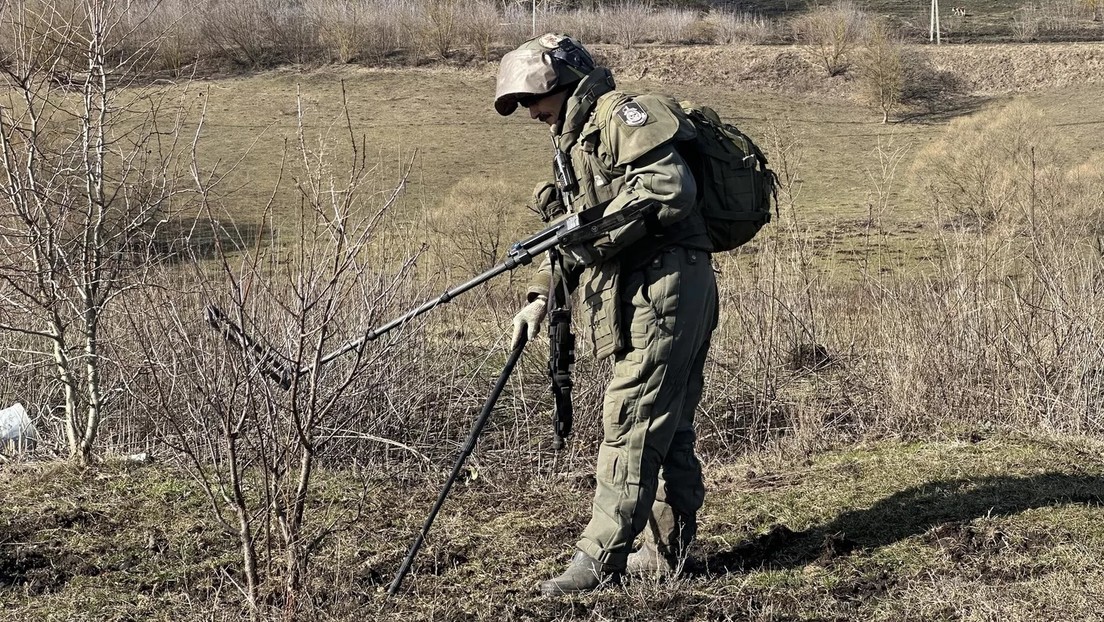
(650,294)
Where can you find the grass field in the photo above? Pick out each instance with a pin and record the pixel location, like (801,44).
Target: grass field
(443,120)
(947,464)
(981,528)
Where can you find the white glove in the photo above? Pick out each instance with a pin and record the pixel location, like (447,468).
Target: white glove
(529,319)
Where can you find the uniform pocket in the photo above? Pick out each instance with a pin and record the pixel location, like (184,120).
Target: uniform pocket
(602,299)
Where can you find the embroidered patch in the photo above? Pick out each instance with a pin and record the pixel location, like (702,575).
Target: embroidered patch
(632,114)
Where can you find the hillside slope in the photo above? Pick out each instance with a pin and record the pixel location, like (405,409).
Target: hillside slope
(980,69)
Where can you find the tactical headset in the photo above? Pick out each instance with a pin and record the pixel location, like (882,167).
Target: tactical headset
(573,56)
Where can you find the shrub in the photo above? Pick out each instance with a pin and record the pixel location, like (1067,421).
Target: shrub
(436,25)
(990,169)
(586,26)
(628,23)
(672,25)
(830,34)
(491,221)
(480,26)
(340,28)
(734,27)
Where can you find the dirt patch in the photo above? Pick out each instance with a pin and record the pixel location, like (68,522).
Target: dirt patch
(864,587)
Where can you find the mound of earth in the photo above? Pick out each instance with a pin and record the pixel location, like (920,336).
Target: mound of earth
(980,69)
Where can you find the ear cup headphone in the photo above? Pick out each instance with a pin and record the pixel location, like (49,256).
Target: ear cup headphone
(574,56)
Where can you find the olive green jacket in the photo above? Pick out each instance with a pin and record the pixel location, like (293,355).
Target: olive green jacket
(623,149)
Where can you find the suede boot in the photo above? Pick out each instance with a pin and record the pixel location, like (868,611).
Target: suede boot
(583,575)
(648,561)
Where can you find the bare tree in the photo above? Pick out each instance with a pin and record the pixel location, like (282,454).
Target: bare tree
(319,282)
(882,70)
(84,178)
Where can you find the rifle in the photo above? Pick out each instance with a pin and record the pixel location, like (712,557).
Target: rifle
(561,359)
(561,342)
(577,228)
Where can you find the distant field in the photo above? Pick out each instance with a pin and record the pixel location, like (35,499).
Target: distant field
(444,122)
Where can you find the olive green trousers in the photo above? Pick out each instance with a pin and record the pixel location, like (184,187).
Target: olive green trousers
(647,468)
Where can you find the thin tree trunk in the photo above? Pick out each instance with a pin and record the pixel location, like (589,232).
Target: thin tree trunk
(95,396)
(296,554)
(245,530)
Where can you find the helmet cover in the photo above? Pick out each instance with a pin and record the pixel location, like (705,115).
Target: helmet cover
(538,67)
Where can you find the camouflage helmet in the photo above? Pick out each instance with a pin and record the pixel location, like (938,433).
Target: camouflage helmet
(540,66)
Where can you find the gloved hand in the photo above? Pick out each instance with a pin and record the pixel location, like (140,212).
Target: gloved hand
(529,319)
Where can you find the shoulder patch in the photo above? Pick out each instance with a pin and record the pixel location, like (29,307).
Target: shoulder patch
(632,115)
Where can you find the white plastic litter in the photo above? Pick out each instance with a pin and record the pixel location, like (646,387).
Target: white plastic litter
(16,430)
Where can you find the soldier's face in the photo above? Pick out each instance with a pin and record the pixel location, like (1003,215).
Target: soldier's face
(546,109)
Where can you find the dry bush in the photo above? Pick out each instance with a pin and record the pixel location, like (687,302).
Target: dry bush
(57,34)
(174,28)
(238,30)
(1050,18)
(1065,16)
(479,26)
(1005,328)
(587,26)
(1001,327)
(701,31)
(774,303)
(386,29)
(341,28)
(362,30)
(261,33)
(831,33)
(1026,23)
(435,25)
(673,25)
(85,176)
(627,23)
(992,163)
(743,27)
(253,435)
(516,26)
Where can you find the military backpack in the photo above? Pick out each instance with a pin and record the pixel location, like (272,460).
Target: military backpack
(735,187)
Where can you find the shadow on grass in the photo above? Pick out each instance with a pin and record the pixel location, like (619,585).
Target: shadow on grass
(946,110)
(202,239)
(907,513)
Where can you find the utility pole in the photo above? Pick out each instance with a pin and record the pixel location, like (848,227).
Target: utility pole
(933,29)
(535,18)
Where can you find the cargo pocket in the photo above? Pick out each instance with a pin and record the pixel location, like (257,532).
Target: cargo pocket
(636,317)
(601,298)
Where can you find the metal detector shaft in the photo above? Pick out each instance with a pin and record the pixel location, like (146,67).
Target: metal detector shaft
(469,446)
(512,262)
(576,228)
